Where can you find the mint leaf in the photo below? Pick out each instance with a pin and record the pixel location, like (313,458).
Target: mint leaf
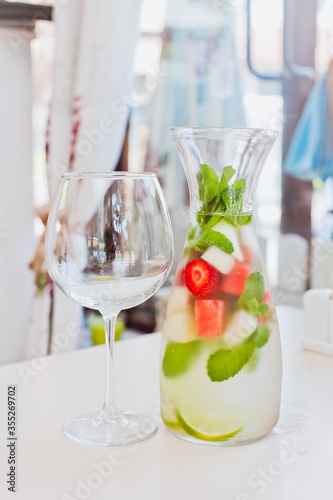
(230,197)
(178,357)
(254,360)
(214,220)
(201,215)
(223,365)
(201,240)
(219,240)
(239,186)
(233,200)
(232,212)
(243,220)
(261,335)
(227,174)
(191,232)
(208,183)
(232,217)
(257,308)
(254,289)
(207,217)
(196,239)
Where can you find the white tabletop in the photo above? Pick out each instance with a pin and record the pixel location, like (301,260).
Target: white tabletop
(295,461)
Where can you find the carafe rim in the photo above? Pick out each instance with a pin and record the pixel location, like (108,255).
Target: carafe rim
(269,135)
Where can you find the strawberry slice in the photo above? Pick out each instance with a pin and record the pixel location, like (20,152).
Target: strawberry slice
(209,317)
(201,278)
(234,282)
(269,300)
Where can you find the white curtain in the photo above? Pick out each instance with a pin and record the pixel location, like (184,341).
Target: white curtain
(95,46)
(199,84)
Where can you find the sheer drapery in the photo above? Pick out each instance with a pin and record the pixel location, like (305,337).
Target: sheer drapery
(95,45)
(199,84)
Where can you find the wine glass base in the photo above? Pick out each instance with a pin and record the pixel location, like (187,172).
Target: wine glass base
(123,428)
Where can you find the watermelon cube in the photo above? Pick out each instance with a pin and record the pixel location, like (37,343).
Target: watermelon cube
(234,282)
(209,317)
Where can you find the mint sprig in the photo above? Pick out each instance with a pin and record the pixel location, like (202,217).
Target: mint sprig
(257,308)
(219,202)
(252,298)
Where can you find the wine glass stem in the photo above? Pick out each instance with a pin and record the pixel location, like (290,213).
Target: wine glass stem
(110,408)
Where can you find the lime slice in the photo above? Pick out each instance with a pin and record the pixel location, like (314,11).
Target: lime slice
(171,424)
(208,428)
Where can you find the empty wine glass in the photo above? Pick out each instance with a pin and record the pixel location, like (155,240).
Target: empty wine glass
(109,247)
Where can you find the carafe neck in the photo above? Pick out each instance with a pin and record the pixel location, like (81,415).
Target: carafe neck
(245,150)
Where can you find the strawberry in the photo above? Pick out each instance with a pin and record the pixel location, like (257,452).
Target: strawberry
(269,300)
(201,278)
(209,317)
(234,282)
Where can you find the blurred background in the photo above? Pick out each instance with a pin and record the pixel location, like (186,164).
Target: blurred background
(226,63)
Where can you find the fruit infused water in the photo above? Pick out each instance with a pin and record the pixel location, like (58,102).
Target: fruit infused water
(220,376)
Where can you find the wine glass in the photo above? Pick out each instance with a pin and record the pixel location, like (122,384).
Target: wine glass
(109,247)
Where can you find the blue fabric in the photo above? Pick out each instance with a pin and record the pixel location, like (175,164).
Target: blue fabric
(310,152)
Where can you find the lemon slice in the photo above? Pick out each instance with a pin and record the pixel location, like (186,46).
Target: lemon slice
(208,428)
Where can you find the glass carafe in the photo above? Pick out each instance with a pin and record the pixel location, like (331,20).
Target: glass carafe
(220,374)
